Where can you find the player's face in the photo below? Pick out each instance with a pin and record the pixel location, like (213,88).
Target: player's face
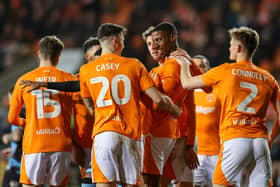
(89,55)
(233,49)
(153,53)
(161,43)
(201,64)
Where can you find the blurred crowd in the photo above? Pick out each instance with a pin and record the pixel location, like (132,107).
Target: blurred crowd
(202,27)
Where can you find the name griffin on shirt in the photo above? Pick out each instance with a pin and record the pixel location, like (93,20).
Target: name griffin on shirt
(108,66)
(46,79)
(248,74)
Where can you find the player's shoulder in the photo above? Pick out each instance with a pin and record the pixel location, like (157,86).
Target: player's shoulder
(171,62)
(267,75)
(131,60)
(29,75)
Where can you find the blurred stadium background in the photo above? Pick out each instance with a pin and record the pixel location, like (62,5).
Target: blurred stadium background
(202,27)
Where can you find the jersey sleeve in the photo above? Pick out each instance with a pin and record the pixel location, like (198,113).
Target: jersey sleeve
(83,86)
(16,103)
(145,78)
(214,75)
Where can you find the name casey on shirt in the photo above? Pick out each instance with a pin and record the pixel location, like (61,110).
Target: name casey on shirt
(107,66)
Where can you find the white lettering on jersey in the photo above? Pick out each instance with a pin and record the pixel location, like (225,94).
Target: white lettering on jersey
(48,131)
(108,66)
(248,74)
(204,110)
(46,79)
(244,121)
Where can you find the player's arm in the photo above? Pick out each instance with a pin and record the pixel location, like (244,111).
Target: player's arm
(14,136)
(276,127)
(90,104)
(188,82)
(16,103)
(163,101)
(68,86)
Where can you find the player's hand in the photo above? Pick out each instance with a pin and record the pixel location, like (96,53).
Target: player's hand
(6,138)
(34,85)
(179,52)
(191,158)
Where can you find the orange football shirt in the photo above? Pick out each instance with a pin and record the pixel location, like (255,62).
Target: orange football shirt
(83,122)
(48,112)
(115,84)
(244,92)
(207,123)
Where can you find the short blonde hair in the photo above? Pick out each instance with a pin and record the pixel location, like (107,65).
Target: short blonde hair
(248,37)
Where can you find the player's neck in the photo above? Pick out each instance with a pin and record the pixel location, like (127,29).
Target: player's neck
(46,63)
(107,51)
(243,57)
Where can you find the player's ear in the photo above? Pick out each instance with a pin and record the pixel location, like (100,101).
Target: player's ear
(172,37)
(57,60)
(115,41)
(239,47)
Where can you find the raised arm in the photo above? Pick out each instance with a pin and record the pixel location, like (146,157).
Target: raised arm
(188,82)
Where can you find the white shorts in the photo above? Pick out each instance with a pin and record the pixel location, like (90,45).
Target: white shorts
(204,173)
(45,168)
(115,158)
(237,155)
(156,153)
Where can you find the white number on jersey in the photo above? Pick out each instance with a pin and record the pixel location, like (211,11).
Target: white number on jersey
(43,99)
(242,107)
(101,102)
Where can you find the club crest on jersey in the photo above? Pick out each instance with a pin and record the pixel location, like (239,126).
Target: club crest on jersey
(210,97)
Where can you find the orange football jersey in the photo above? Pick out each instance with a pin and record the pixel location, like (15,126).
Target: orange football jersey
(207,123)
(167,79)
(83,122)
(244,92)
(115,84)
(48,112)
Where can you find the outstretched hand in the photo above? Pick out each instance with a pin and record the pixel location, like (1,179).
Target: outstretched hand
(34,85)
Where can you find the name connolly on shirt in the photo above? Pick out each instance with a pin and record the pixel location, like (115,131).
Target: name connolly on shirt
(48,131)
(248,74)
